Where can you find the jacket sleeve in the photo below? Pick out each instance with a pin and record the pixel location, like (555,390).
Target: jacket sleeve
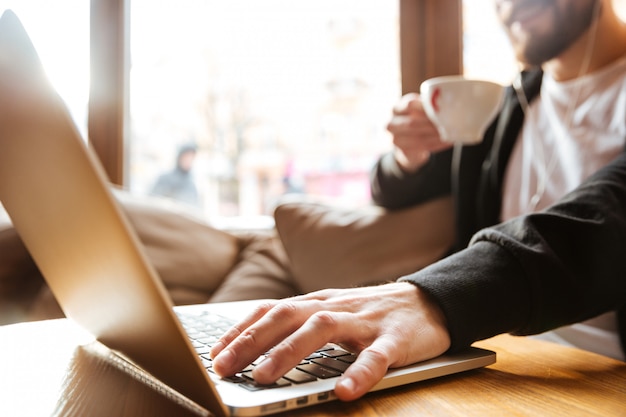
(392,188)
(541,271)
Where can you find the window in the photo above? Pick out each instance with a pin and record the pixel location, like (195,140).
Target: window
(487,53)
(353,58)
(277,97)
(60,32)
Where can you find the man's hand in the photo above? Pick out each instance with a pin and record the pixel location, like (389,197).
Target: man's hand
(388,326)
(414,135)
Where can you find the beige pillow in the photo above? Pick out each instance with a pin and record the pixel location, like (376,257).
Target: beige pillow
(262,271)
(20,280)
(330,247)
(191,257)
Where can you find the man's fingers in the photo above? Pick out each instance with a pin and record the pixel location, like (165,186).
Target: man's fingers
(234,332)
(411,125)
(254,339)
(321,328)
(369,368)
(405,104)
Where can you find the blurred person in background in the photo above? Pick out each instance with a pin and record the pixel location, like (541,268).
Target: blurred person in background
(178,184)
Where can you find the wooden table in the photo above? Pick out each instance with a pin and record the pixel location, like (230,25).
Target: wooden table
(50,368)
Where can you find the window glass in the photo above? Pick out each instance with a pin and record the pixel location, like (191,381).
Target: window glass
(487,53)
(261,98)
(59,30)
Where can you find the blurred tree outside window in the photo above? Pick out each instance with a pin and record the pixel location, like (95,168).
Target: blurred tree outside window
(278,96)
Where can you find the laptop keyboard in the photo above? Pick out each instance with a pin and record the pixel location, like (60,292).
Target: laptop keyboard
(204,330)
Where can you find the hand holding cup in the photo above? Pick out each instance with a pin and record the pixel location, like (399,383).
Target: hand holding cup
(415,137)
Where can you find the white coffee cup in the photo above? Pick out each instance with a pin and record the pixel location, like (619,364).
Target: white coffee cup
(461,108)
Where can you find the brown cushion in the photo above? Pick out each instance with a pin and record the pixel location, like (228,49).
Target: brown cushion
(191,257)
(334,247)
(262,271)
(20,280)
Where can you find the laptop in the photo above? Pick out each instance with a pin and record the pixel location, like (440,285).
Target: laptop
(56,193)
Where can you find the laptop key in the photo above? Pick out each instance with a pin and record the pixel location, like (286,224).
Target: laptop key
(210,340)
(348,358)
(203,350)
(299,377)
(250,384)
(332,364)
(313,356)
(318,371)
(236,379)
(335,353)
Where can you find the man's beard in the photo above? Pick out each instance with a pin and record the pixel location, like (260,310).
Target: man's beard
(568,26)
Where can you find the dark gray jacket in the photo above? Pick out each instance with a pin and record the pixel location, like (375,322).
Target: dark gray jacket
(534,273)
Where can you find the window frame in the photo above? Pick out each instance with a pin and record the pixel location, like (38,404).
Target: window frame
(428,48)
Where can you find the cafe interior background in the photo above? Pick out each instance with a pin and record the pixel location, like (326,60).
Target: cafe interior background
(279,97)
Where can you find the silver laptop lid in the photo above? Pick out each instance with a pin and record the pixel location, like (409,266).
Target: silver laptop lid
(57,196)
